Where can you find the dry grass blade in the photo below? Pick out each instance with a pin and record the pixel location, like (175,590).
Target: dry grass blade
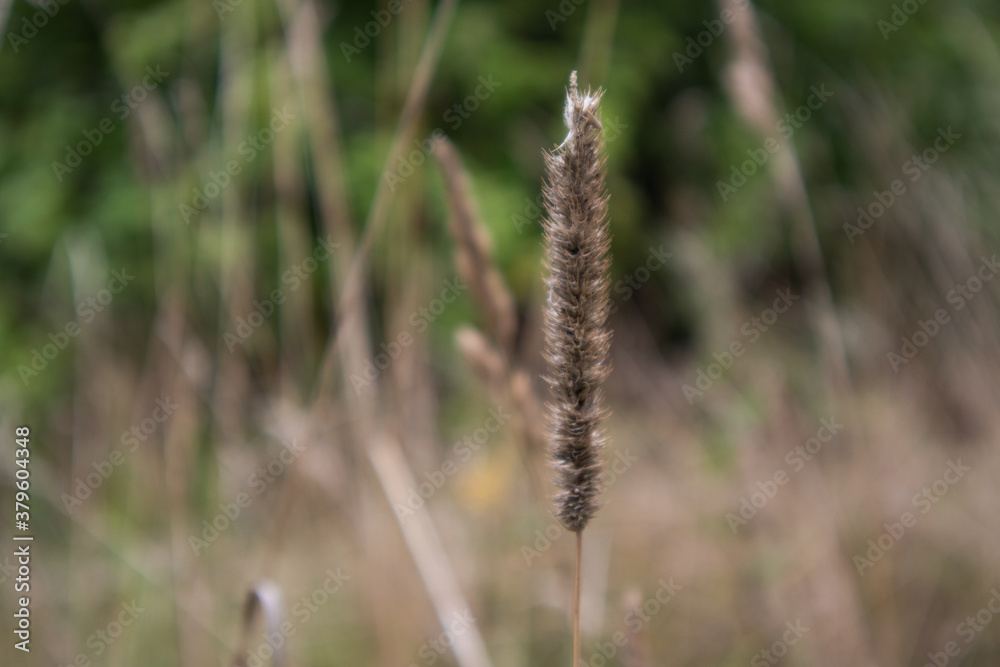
(636,652)
(5,6)
(529,407)
(484,359)
(352,290)
(492,360)
(428,553)
(264,600)
(751,84)
(310,79)
(598,39)
(473,254)
(509,385)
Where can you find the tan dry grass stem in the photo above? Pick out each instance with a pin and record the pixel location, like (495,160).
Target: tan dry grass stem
(473,250)
(353,288)
(492,357)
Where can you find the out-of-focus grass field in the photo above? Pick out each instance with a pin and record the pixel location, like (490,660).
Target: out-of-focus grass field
(231,317)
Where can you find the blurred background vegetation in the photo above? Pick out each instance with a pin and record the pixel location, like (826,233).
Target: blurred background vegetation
(96,169)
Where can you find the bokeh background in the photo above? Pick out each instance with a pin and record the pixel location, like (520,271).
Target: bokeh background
(241,318)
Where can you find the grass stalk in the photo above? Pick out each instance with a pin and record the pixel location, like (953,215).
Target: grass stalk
(576,335)
(576,599)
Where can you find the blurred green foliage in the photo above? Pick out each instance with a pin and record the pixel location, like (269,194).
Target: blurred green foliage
(679,137)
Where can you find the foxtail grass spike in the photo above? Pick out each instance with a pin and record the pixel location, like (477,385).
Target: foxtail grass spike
(576,334)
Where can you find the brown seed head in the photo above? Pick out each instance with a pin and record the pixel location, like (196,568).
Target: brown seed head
(576,336)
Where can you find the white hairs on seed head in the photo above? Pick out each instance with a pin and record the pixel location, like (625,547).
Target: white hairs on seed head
(587,104)
(574,94)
